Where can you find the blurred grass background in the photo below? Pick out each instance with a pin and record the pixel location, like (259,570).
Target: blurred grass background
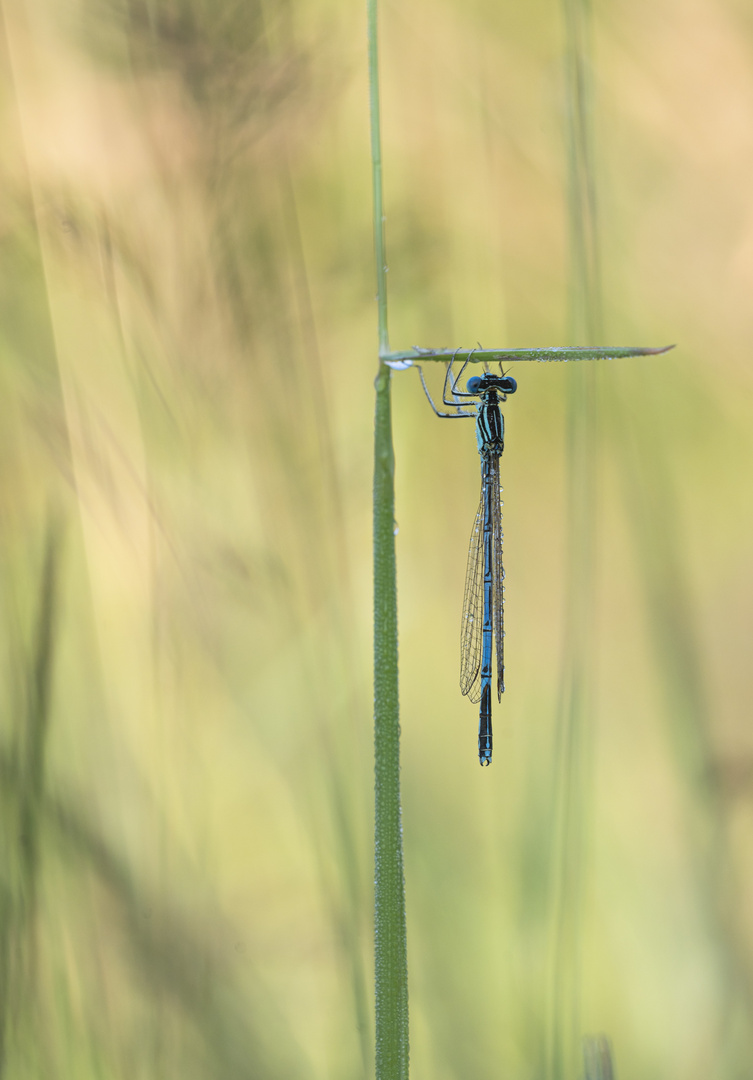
(187,348)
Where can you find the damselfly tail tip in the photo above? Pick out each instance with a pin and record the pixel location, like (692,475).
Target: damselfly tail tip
(485,750)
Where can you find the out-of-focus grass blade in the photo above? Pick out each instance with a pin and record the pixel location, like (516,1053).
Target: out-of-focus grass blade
(23,797)
(597,1058)
(573,785)
(33,740)
(673,623)
(243,1039)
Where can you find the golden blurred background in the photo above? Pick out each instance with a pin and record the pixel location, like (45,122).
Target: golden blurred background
(187,353)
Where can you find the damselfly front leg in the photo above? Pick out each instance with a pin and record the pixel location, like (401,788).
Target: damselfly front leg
(452,404)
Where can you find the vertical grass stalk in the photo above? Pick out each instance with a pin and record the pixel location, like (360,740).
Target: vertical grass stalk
(390,952)
(390,946)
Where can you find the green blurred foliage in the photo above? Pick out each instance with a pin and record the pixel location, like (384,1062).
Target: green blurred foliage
(187,348)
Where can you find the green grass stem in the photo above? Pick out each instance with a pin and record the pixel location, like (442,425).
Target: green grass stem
(390,945)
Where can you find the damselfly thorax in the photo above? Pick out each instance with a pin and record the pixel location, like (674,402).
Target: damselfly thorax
(490,424)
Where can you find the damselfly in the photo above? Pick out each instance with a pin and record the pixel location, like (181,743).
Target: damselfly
(483,602)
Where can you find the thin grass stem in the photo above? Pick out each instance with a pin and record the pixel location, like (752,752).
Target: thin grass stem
(380,251)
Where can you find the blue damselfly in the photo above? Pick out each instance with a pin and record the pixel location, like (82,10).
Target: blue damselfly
(483,602)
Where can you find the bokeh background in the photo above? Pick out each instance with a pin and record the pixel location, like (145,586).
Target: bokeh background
(187,351)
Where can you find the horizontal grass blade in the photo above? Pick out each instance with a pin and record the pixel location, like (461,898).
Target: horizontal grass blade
(559,353)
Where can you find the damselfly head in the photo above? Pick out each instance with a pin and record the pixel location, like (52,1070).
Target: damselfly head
(480,384)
